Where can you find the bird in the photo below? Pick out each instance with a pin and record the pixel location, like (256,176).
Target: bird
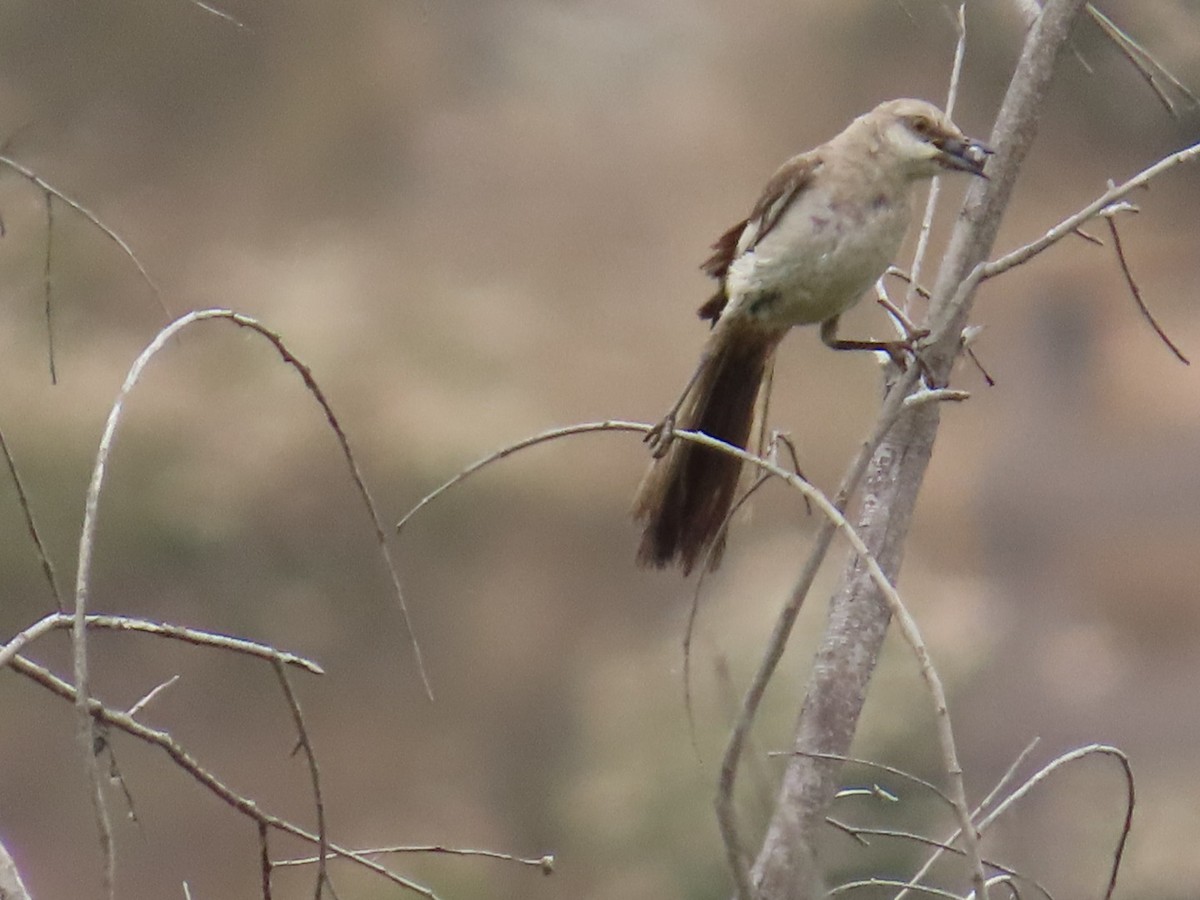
(826,227)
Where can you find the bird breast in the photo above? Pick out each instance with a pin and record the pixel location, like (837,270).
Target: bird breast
(824,252)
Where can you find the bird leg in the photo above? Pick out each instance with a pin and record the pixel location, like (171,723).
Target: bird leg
(661,435)
(897,350)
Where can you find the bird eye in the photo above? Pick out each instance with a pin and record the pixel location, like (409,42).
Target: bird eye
(921,125)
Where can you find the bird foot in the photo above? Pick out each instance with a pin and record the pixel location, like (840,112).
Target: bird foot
(661,435)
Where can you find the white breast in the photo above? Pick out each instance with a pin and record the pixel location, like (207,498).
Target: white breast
(819,259)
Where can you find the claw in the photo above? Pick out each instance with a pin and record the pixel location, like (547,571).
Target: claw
(660,436)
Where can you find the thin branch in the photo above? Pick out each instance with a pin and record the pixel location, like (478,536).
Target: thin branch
(210,782)
(505,452)
(1137,294)
(983,804)
(935,187)
(87,538)
(352,463)
(31,526)
(861,833)
(891,882)
(1008,775)
(545,864)
(219,13)
(48,285)
(264,860)
(314,774)
(108,232)
(161,629)
(150,696)
(1068,225)
(1090,750)
(87,541)
(1147,66)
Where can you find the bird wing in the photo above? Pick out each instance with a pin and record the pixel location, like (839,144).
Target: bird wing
(783,188)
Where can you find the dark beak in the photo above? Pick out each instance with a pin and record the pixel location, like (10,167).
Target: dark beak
(963,154)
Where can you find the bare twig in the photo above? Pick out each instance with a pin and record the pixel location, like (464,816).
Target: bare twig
(907,278)
(872,764)
(30,525)
(768,449)
(219,13)
(161,339)
(108,232)
(1068,225)
(1143,60)
(505,452)
(891,882)
(264,860)
(935,395)
(88,537)
(983,804)
(836,520)
(48,285)
(149,696)
(160,629)
(1137,294)
(314,774)
(545,864)
(935,187)
(1054,765)
(860,834)
(206,779)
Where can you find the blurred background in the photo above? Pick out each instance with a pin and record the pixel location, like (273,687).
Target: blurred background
(478,220)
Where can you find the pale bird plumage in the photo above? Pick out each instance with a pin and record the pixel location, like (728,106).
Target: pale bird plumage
(827,225)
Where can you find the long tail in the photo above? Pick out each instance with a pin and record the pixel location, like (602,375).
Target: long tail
(686,495)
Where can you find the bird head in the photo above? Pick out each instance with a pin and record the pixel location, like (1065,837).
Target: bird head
(924,138)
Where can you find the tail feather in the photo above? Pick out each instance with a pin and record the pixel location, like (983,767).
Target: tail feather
(686,496)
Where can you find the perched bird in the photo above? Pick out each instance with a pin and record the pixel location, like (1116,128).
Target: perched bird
(827,225)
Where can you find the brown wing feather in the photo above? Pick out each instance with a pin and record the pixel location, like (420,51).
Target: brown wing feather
(783,188)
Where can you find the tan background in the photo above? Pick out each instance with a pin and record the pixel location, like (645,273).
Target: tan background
(477,220)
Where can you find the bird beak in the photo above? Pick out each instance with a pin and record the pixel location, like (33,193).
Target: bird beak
(963,154)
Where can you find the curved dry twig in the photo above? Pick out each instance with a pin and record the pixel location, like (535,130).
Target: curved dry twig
(160,340)
(860,834)
(59,621)
(1137,293)
(505,452)
(1072,756)
(88,536)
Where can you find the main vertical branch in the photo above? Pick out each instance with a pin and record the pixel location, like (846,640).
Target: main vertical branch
(786,866)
